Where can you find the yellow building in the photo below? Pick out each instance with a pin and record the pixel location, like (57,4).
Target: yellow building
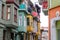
(29,26)
(38,30)
(38,23)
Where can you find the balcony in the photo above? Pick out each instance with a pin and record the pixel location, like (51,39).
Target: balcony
(45,12)
(11,24)
(2,21)
(29,28)
(8,23)
(45,9)
(29,23)
(37,33)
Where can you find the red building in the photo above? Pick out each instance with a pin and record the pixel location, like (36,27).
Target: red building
(54,23)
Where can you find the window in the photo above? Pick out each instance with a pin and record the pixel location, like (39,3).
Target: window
(2,11)
(8,12)
(20,20)
(24,21)
(15,15)
(27,21)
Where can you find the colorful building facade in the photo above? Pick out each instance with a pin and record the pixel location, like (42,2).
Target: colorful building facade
(9,19)
(1,26)
(54,23)
(22,22)
(29,27)
(17,22)
(53,20)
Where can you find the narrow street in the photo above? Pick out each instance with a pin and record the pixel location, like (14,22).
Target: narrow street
(29,20)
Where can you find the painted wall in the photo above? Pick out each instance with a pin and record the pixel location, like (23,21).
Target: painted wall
(52,12)
(52,27)
(53,3)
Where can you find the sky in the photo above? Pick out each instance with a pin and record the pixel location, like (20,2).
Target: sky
(43,18)
(33,1)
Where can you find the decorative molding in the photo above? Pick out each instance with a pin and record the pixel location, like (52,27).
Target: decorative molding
(53,27)
(57,13)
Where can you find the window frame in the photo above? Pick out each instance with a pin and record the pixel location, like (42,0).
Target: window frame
(2,15)
(8,13)
(28,21)
(15,14)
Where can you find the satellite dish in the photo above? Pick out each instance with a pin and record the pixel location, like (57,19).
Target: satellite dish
(57,14)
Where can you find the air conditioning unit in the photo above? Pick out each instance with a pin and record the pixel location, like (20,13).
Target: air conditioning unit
(57,14)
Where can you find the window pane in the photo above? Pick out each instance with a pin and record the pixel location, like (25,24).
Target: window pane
(8,12)
(24,21)
(8,9)
(8,16)
(20,19)
(15,15)
(27,21)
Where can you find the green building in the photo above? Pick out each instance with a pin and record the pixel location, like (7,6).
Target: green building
(22,22)
(53,3)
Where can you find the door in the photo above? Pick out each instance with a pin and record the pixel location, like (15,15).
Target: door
(58,34)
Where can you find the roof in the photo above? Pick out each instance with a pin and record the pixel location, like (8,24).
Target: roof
(54,7)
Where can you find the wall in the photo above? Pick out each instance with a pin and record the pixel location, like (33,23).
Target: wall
(53,3)
(35,26)
(1,33)
(0,8)
(52,16)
